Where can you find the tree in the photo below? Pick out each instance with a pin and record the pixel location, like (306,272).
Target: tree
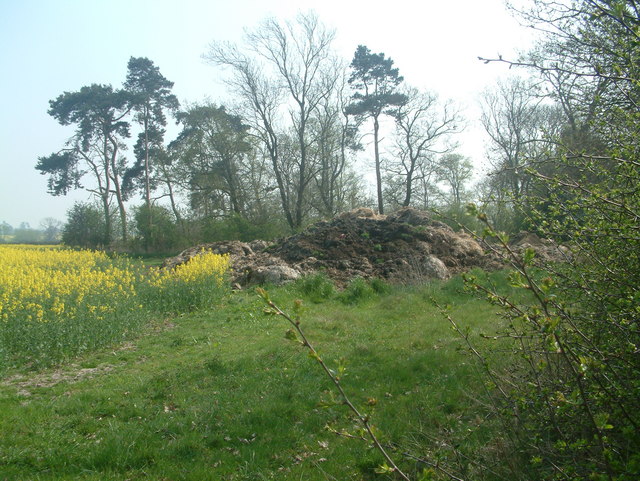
(24,234)
(98,113)
(85,226)
(375,82)
(422,131)
(575,408)
(260,100)
(51,229)
(509,117)
(161,235)
(6,230)
(299,56)
(150,97)
(334,140)
(523,127)
(213,145)
(455,171)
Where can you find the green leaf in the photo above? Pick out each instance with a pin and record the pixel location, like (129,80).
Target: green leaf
(472,209)
(291,335)
(384,469)
(528,256)
(546,284)
(427,474)
(262,293)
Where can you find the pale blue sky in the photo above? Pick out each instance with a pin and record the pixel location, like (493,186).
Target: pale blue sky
(51,46)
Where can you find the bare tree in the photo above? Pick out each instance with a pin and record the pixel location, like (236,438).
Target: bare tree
(520,127)
(298,57)
(423,129)
(455,171)
(335,139)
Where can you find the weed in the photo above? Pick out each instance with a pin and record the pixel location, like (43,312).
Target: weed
(379,286)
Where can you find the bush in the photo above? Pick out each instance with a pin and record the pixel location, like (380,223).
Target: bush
(156,228)
(379,286)
(85,227)
(236,227)
(573,392)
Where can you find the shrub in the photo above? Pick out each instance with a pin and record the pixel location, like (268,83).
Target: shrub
(156,227)
(85,227)
(379,286)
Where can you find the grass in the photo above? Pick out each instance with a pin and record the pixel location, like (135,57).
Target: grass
(221,394)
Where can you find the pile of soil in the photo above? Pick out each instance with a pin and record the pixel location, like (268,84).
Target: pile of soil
(546,250)
(406,246)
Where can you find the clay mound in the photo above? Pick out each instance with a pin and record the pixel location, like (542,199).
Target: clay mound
(406,246)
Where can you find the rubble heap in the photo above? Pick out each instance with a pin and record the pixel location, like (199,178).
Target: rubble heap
(406,246)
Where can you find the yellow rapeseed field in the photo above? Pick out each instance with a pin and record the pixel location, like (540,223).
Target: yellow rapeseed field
(45,285)
(194,285)
(204,266)
(56,302)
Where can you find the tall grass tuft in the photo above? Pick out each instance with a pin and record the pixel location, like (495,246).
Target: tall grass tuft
(357,291)
(316,287)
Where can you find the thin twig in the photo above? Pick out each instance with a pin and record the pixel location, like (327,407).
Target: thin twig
(364,420)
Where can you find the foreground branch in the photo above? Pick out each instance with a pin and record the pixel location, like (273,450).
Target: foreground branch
(362,419)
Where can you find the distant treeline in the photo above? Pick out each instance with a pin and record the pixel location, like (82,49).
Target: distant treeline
(49,232)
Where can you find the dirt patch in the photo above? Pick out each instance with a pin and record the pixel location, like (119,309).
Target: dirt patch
(70,374)
(405,246)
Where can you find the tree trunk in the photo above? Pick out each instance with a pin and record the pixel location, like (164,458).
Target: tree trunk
(302,174)
(409,182)
(272,147)
(122,209)
(107,217)
(147,190)
(118,190)
(376,128)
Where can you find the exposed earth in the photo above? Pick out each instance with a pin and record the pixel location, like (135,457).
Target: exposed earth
(406,246)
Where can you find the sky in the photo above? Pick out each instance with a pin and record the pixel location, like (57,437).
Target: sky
(48,47)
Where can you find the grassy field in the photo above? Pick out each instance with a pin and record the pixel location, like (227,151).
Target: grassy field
(221,394)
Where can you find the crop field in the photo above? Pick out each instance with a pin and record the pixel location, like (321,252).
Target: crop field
(56,303)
